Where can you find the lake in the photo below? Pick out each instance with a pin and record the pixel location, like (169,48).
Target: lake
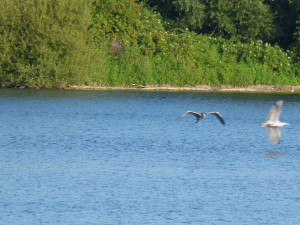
(129,157)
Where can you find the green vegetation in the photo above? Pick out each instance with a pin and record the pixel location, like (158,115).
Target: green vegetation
(43,43)
(55,43)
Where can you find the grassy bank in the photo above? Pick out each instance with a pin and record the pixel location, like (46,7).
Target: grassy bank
(187,60)
(51,43)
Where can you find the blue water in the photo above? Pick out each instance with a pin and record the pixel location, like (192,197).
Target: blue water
(87,157)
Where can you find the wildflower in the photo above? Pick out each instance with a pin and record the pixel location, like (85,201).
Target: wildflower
(116,45)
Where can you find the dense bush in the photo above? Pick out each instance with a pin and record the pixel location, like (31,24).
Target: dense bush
(190,59)
(53,43)
(44,44)
(153,55)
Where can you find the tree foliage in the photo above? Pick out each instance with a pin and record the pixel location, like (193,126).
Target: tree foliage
(248,20)
(44,42)
(125,19)
(53,43)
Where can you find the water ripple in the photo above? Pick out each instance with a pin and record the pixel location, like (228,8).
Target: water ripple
(130,158)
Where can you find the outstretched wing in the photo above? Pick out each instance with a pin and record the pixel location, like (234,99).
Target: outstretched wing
(274,134)
(218,115)
(275,112)
(197,115)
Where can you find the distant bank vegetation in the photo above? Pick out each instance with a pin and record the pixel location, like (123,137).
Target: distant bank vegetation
(55,43)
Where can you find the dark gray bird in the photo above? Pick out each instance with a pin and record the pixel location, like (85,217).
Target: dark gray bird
(200,116)
(273,124)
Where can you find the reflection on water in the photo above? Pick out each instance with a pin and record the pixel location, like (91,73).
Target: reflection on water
(87,157)
(275,154)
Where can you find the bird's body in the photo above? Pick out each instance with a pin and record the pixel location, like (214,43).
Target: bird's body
(273,124)
(200,116)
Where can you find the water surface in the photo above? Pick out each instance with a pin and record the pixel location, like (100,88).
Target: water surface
(122,157)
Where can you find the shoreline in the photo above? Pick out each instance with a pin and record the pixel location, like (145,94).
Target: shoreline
(199,88)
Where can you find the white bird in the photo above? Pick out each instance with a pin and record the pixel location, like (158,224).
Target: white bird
(273,124)
(200,116)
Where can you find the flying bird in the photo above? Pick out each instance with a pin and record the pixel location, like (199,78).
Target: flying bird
(200,116)
(273,124)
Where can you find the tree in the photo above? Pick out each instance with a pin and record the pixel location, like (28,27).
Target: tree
(286,13)
(296,6)
(245,19)
(181,13)
(46,43)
